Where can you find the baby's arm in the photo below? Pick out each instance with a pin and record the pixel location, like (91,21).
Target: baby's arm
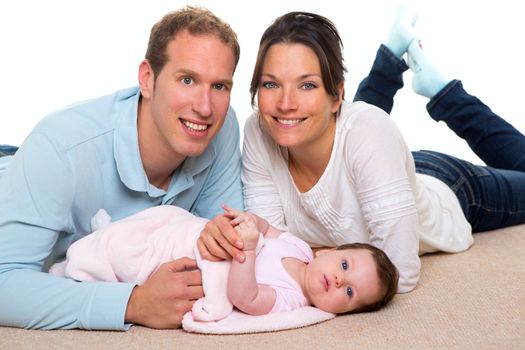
(262,225)
(243,290)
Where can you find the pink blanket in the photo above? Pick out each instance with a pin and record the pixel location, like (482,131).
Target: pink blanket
(129,250)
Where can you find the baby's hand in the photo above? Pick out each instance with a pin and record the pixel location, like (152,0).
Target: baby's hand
(238,216)
(247,229)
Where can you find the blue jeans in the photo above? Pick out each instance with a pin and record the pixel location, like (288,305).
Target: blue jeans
(490,197)
(6,150)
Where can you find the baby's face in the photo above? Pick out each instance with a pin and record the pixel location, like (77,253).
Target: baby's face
(340,281)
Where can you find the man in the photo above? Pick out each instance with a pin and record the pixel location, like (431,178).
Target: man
(157,144)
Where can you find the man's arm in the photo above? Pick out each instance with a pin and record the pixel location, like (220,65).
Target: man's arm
(35,210)
(37,220)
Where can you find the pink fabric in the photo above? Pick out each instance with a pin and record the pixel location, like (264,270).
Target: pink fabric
(129,250)
(270,271)
(240,323)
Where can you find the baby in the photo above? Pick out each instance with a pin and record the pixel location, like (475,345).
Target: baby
(280,272)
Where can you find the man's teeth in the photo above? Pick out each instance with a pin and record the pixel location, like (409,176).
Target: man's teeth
(196,127)
(289,121)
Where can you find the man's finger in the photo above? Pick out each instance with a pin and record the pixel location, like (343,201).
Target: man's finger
(182,264)
(193,278)
(195,292)
(185,306)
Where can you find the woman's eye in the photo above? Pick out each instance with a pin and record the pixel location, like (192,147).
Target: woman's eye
(344,264)
(349,291)
(269,85)
(309,86)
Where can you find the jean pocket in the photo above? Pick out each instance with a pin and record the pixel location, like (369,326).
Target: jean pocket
(476,170)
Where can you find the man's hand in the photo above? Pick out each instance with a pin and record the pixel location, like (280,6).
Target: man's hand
(220,241)
(166,296)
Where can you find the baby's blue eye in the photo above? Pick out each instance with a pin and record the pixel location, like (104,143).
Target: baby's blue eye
(344,264)
(349,291)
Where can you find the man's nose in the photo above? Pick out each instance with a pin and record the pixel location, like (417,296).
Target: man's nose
(202,104)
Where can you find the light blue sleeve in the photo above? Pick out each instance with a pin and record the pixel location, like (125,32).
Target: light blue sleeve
(36,196)
(223,185)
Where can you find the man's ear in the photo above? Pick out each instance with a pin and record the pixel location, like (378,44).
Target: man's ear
(321,251)
(146,79)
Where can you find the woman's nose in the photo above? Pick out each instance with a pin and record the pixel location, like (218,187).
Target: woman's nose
(287,101)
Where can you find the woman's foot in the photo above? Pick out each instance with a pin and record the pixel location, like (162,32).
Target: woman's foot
(428,80)
(403,31)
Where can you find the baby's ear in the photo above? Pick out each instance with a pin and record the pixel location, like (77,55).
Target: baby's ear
(321,251)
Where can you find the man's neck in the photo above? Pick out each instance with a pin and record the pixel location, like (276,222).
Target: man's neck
(158,158)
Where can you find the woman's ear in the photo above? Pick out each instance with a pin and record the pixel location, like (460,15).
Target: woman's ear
(340,97)
(321,251)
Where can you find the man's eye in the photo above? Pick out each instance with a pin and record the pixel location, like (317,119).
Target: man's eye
(349,291)
(219,87)
(344,264)
(187,81)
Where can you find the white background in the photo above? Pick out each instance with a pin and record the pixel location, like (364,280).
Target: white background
(56,52)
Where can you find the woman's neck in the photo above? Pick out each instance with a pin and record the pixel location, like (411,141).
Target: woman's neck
(307,163)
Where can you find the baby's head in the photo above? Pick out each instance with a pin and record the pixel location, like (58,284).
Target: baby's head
(354,277)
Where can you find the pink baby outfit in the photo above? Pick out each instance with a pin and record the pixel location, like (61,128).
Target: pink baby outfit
(270,271)
(131,249)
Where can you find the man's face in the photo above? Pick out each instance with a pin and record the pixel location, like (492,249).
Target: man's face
(186,104)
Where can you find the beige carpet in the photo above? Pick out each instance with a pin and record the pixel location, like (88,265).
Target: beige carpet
(470,300)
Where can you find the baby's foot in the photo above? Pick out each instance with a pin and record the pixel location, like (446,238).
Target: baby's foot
(403,31)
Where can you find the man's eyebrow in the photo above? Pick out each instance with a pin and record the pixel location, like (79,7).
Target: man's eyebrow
(192,73)
(186,71)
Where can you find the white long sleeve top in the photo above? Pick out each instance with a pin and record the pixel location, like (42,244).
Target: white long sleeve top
(369,192)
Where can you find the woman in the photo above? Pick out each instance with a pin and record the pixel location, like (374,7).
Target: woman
(334,172)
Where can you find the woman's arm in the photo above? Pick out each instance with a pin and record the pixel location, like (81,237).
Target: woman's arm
(382,169)
(262,164)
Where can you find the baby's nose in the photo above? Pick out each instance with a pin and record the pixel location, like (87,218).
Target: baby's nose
(339,281)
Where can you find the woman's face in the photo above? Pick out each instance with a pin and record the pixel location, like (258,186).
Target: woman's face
(294,106)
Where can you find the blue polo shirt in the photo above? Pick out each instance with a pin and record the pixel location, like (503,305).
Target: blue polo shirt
(74,162)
